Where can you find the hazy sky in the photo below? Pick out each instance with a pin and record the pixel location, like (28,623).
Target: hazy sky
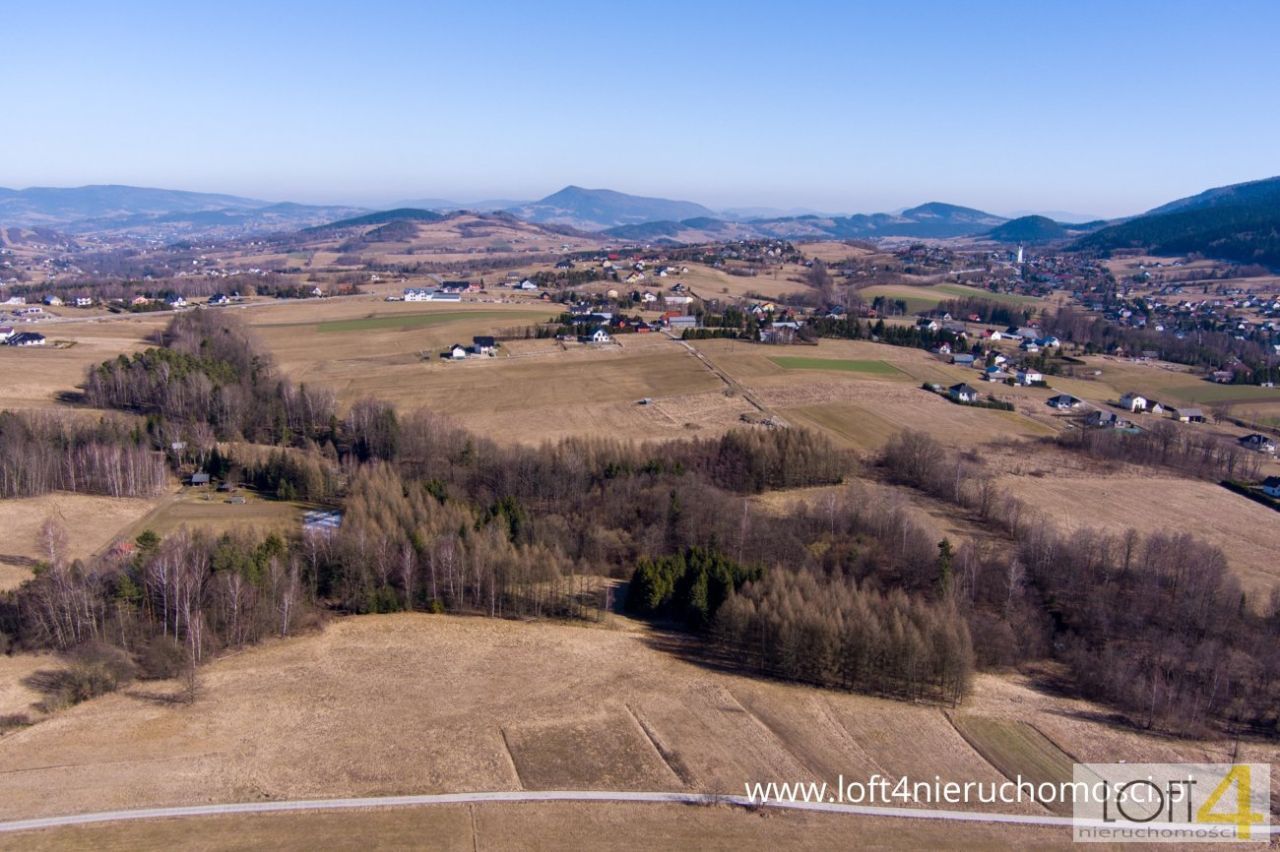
(1093,107)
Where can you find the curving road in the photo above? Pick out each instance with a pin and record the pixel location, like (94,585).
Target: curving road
(604,796)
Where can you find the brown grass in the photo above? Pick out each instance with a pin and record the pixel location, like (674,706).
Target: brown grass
(605,827)
(1245,531)
(381,705)
(91,524)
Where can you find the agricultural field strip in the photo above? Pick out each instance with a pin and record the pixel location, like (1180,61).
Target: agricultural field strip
(871,367)
(408,321)
(536,796)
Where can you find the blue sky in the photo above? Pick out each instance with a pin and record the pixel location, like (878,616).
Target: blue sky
(1095,107)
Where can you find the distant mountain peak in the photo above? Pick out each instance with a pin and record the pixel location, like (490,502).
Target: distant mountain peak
(600,209)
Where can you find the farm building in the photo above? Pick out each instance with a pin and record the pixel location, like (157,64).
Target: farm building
(1133,402)
(1271,486)
(26,338)
(1187,415)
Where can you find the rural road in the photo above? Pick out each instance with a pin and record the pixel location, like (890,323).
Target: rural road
(602,796)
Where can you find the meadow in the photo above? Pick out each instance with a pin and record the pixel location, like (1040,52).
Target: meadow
(601,707)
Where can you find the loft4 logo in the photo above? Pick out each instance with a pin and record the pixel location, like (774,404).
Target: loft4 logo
(1171,802)
(1244,817)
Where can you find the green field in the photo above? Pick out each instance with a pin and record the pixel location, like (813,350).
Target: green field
(1208,392)
(874,368)
(926,298)
(1017,749)
(961,291)
(404,322)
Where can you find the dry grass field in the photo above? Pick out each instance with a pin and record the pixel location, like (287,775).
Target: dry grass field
(34,377)
(533,390)
(861,393)
(1247,532)
(593,707)
(208,510)
(710,283)
(91,524)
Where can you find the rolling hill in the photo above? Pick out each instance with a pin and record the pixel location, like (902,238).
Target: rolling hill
(382,217)
(599,209)
(1028,229)
(1239,223)
(1266,191)
(150,212)
(928,221)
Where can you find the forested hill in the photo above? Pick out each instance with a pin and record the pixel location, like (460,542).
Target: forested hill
(1228,223)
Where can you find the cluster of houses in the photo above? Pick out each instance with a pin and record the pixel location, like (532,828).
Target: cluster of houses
(1244,315)
(422,294)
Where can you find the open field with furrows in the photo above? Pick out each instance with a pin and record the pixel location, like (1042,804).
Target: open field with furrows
(601,826)
(91,524)
(599,707)
(861,393)
(1247,532)
(32,377)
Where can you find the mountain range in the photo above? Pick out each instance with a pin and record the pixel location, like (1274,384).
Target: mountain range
(1240,222)
(146,210)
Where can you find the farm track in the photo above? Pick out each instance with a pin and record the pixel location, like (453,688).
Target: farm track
(734,385)
(592,796)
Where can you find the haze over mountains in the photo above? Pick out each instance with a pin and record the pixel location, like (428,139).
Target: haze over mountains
(107,207)
(1238,222)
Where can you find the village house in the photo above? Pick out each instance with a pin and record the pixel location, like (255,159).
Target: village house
(596,335)
(1029,377)
(1105,419)
(1063,402)
(964,359)
(53,301)
(963,393)
(680,323)
(484,345)
(6,331)
(26,338)
(927,324)
(1258,443)
(457,352)
(175,300)
(1133,402)
(1271,486)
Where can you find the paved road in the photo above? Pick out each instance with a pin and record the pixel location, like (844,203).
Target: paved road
(603,796)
